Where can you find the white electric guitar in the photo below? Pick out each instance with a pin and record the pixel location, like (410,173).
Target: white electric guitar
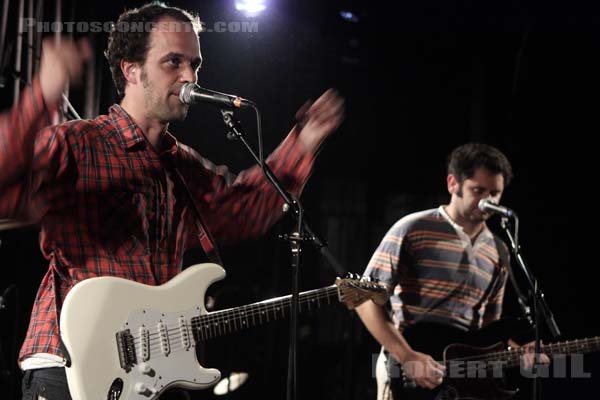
(129,341)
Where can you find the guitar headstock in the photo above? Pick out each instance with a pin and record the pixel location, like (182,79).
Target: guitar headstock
(353,290)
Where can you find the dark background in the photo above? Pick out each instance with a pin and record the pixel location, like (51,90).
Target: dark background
(419,78)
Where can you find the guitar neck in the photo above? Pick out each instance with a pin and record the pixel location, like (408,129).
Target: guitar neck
(227,321)
(512,358)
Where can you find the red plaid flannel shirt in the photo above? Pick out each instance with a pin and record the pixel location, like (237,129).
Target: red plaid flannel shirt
(109,205)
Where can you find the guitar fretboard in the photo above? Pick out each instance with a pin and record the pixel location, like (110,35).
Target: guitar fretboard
(227,321)
(512,357)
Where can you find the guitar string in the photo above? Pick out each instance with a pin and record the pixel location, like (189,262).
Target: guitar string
(216,322)
(514,355)
(156,344)
(309,297)
(177,344)
(510,355)
(218,317)
(242,314)
(219,323)
(566,346)
(176,338)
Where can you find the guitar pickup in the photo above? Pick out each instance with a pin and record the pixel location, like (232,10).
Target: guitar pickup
(145,340)
(185,337)
(164,338)
(126,349)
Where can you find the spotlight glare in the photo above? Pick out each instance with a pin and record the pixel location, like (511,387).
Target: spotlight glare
(348,16)
(250,7)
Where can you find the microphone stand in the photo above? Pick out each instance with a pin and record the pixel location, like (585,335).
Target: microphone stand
(301,233)
(6,374)
(539,305)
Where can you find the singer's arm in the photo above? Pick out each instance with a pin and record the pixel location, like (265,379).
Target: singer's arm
(242,206)
(388,263)
(17,133)
(235,207)
(319,119)
(20,155)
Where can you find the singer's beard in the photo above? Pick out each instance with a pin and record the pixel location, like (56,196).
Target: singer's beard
(478,216)
(165,109)
(472,215)
(177,112)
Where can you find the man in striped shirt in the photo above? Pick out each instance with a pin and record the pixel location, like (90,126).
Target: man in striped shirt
(443,265)
(117,195)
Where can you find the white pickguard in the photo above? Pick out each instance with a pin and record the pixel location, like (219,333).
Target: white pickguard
(97,308)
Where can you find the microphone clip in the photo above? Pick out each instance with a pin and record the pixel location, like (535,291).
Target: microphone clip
(235,127)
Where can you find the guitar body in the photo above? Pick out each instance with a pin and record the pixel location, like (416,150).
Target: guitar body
(97,309)
(442,343)
(129,341)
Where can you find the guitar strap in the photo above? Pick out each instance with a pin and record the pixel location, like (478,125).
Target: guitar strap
(206,240)
(504,260)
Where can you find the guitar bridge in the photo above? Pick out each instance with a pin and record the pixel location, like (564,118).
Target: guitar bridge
(126,348)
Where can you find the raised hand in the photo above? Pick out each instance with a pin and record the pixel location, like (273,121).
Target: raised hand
(319,119)
(61,64)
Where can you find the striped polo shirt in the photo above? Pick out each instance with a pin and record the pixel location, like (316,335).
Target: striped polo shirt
(437,274)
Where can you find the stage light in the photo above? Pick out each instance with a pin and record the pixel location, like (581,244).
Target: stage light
(250,7)
(348,16)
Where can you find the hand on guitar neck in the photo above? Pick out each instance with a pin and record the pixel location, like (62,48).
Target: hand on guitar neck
(528,359)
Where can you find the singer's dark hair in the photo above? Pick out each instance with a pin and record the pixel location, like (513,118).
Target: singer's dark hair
(466,159)
(128,39)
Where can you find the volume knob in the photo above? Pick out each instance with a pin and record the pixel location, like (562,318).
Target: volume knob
(145,369)
(141,388)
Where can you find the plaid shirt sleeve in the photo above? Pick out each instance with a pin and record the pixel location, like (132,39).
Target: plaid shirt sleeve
(237,207)
(18,129)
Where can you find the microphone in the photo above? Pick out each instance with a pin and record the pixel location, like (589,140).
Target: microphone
(194,94)
(488,206)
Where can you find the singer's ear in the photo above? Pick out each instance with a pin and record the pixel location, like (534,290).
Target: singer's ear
(131,71)
(452,183)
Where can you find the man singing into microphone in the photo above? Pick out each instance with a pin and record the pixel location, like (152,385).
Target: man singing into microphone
(444,266)
(116,195)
